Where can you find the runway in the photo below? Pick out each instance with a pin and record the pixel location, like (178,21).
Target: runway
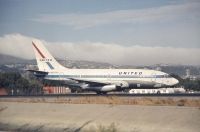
(103,95)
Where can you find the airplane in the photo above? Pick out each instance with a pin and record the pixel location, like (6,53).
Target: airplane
(100,81)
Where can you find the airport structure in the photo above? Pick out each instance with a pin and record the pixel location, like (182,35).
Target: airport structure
(158,91)
(56,90)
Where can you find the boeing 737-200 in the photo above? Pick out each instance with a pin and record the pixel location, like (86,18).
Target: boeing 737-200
(99,80)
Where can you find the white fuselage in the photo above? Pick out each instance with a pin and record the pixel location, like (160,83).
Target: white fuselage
(120,77)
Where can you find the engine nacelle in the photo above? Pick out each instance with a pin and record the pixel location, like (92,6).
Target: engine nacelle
(122,84)
(108,88)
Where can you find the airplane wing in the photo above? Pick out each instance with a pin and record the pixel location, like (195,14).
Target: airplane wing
(36,71)
(99,83)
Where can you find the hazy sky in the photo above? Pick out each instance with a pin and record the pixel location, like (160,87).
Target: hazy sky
(130,32)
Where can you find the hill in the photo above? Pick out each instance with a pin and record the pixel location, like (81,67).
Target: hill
(175,69)
(7,59)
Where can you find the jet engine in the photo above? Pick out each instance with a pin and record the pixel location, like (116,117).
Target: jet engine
(105,88)
(108,88)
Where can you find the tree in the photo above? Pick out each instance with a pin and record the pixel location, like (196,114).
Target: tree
(187,83)
(20,85)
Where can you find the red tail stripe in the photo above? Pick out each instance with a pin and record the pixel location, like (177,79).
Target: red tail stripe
(38,50)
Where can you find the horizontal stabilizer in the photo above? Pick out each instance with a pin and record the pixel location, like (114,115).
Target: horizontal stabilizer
(38,73)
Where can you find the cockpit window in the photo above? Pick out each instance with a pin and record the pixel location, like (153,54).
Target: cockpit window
(163,76)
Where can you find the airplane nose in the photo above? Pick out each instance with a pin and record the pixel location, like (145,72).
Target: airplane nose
(175,81)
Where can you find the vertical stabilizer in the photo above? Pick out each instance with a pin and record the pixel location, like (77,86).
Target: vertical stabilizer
(45,61)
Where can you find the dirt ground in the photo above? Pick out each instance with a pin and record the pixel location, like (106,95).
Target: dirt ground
(41,116)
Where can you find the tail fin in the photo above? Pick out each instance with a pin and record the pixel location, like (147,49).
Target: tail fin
(45,61)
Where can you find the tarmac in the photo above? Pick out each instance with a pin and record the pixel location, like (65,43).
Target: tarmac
(20,116)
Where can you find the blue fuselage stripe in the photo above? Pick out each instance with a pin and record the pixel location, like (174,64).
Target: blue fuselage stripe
(50,66)
(100,76)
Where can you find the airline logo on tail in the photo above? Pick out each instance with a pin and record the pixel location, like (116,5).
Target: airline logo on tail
(43,57)
(38,50)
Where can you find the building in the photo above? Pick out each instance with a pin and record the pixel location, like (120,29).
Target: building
(158,91)
(56,90)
